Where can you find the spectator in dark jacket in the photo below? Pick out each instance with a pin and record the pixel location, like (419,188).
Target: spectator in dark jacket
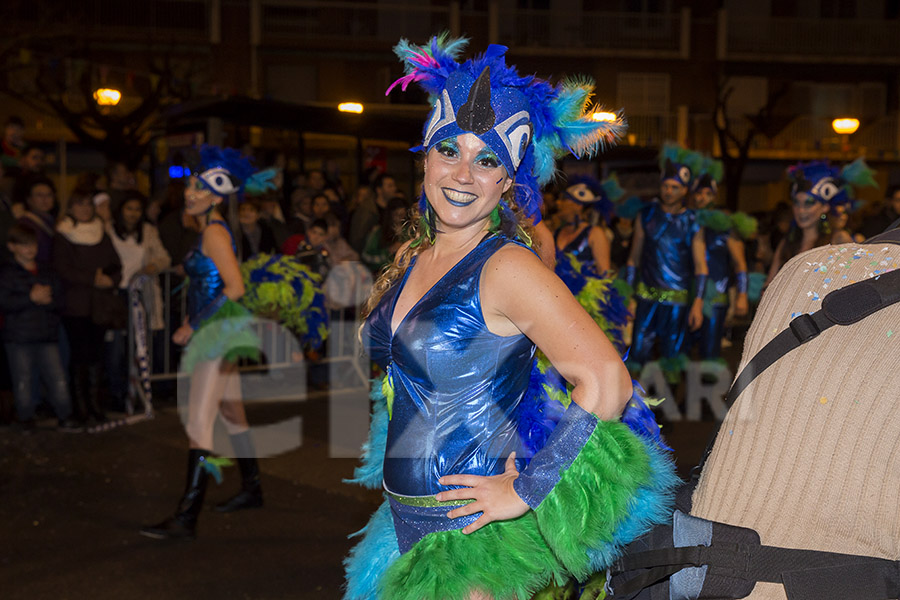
(40,200)
(30,300)
(86,260)
(256,236)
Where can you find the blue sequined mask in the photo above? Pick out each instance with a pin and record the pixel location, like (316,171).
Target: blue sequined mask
(676,172)
(498,116)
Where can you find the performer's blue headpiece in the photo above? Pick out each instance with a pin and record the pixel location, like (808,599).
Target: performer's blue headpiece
(679,164)
(602,197)
(527,122)
(829,184)
(224,171)
(709,176)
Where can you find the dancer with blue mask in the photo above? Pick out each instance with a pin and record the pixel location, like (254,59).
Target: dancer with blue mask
(817,188)
(667,267)
(586,207)
(216,333)
(477,506)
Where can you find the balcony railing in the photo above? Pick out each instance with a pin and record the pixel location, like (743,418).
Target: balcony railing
(809,137)
(591,32)
(161,20)
(293,21)
(301,22)
(785,39)
(650,130)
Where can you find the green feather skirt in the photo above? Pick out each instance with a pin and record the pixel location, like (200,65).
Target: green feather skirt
(227,334)
(616,489)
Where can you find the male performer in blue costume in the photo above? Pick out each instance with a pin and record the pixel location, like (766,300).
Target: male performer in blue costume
(725,258)
(667,267)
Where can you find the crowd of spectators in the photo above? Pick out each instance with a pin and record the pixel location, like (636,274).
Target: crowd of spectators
(67,268)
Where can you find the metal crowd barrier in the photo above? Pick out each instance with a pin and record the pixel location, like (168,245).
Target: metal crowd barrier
(341,358)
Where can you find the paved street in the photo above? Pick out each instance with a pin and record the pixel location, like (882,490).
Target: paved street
(71,506)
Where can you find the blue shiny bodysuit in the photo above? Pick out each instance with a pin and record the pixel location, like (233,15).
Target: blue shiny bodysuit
(457,386)
(718,259)
(667,261)
(205,282)
(666,266)
(578,247)
(715,306)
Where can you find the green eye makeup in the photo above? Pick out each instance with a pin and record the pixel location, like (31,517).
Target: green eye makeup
(448,147)
(487,158)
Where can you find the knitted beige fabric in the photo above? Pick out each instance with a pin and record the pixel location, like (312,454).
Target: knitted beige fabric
(809,455)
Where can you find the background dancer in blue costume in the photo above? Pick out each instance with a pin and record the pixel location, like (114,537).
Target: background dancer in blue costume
(723,234)
(472,510)
(816,188)
(583,252)
(216,334)
(667,267)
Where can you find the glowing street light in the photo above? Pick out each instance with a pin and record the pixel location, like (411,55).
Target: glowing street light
(845,126)
(107,96)
(350,107)
(604,116)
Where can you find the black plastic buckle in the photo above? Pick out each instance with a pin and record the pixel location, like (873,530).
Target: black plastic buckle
(805,328)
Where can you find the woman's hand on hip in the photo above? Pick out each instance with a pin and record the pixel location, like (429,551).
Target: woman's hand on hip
(494,496)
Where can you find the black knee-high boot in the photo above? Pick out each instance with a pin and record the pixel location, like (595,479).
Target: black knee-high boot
(250,495)
(183,524)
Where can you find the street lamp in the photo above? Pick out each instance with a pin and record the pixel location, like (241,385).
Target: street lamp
(107,96)
(845,125)
(604,116)
(350,107)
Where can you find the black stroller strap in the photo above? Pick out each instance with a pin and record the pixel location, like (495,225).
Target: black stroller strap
(843,306)
(805,574)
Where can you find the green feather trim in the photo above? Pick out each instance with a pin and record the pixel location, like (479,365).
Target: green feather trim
(227,334)
(681,155)
(495,219)
(387,388)
(858,174)
(595,290)
(517,558)
(713,219)
(713,168)
(744,225)
(672,367)
(611,188)
(624,289)
(592,497)
(553,392)
(214,465)
(504,559)
(290,294)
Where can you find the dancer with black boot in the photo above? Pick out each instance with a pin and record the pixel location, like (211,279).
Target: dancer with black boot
(217,329)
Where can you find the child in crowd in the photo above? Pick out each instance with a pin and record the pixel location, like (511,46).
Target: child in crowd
(30,298)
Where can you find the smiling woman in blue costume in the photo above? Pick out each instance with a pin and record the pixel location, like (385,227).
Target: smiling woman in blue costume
(817,187)
(216,334)
(474,509)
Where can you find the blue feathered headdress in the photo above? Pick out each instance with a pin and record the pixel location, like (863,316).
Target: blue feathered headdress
(225,171)
(630,208)
(709,176)
(828,184)
(526,121)
(602,197)
(679,164)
